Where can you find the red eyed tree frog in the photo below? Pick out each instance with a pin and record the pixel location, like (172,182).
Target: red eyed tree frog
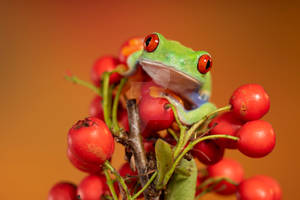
(179,69)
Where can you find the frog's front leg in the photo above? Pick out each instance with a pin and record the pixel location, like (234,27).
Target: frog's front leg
(189,117)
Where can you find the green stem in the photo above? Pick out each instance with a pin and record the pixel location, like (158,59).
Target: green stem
(145,186)
(180,143)
(110,184)
(105,88)
(119,178)
(196,125)
(115,123)
(214,182)
(190,146)
(175,115)
(183,128)
(78,81)
(193,129)
(107,197)
(172,132)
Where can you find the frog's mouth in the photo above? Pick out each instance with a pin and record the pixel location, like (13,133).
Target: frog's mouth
(170,78)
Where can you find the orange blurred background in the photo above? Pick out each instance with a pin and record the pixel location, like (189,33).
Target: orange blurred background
(254,42)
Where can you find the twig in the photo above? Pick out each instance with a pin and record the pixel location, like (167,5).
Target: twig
(137,148)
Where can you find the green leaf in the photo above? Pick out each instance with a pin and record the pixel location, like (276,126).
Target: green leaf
(182,187)
(164,161)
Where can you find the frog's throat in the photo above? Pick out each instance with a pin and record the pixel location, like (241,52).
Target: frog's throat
(169,77)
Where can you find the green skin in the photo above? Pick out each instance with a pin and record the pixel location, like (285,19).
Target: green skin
(174,66)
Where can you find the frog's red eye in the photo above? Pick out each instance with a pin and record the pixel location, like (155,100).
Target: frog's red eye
(151,42)
(204,64)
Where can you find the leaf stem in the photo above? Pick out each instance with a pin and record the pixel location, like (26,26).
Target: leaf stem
(196,125)
(180,143)
(145,186)
(76,80)
(190,146)
(110,184)
(183,128)
(115,123)
(105,89)
(172,132)
(214,182)
(119,178)
(175,115)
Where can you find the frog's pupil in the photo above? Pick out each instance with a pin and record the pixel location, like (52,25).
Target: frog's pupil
(207,65)
(148,40)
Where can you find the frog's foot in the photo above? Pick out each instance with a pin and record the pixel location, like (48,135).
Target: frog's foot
(190,117)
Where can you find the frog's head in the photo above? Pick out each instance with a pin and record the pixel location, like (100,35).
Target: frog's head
(174,66)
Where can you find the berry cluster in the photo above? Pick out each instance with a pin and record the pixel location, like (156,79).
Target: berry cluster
(159,154)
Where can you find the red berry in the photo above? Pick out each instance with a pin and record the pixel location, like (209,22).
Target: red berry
(149,146)
(208,152)
(125,170)
(129,47)
(170,139)
(63,191)
(273,184)
(227,124)
(250,102)
(83,166)
(254,189)
(96,109)
(91,141)
(155,114)
(257,138)
(105,64)
(226,168)
(123,119)
(91,187)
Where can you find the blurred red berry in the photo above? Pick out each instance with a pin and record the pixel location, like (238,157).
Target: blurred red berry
(208,152)
(83,166)
(257,138)
(250,102)
(226,124)
(155,114)
(63,191)
(91,187)
(254,189)
(91,141)
(105,64)
(200,179)
(129,47)
(226,168)
(275,187)
(96,109)
(170,139)
(149,146)
(126,171)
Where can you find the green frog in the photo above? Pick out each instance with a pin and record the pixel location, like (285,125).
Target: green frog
(180,69)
